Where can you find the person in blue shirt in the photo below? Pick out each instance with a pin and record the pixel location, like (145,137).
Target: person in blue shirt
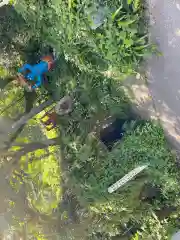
(36,72)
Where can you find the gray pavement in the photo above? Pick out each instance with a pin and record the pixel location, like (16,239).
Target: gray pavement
(164,72)
(176,236)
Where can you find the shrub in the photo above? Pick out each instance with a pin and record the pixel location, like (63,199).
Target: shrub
(91,53)
(119,42)
(93,170)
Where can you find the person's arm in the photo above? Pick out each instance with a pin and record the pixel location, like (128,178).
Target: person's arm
(38,82)
(25,67)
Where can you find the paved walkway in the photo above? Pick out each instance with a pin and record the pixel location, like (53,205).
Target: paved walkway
(164,71)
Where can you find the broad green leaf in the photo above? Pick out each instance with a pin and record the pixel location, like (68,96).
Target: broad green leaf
(136,4)
(128,42)
(116,12)
(129,1)
(70,2)
(142,47)
(125,23)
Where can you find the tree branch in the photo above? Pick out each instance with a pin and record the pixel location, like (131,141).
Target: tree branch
(34,111)
(31,147)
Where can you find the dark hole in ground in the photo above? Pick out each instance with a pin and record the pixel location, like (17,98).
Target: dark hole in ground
(113,132)
(116,130)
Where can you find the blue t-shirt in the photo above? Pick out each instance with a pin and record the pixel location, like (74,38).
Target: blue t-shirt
(34,73)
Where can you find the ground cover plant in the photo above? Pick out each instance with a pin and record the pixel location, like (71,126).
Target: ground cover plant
(97,45)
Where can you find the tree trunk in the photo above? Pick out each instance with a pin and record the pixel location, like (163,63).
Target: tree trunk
(34,111)
(29,101)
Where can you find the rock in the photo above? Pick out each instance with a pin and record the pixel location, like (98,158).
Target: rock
(97,16)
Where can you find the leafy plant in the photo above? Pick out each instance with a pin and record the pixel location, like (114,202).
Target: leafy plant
(118,42)
(95,169)
(97,44)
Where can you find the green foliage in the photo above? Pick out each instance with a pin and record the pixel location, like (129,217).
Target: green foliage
(142,145)
(119,41)
(92,56)
(93,170)
(153,228)
(41,170)
(9,104)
